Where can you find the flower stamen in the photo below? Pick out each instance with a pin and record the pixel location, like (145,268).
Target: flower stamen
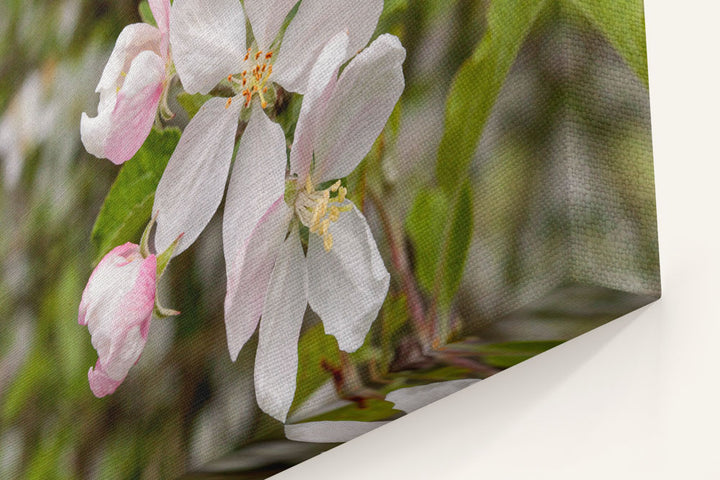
(317,210)
(254,79)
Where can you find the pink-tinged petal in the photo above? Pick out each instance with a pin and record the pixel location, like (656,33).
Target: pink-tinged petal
(276,361)
(117,307)
(248,275)
(329,432)
(349,283)
(266,17)
(410,399)
(193,184)
(94,290)
(208,41)
(364,98)
(120,317)
(100,383)
(161,11)
(321,86)
(256,182)
(316,22)
(134,39)
(135,108)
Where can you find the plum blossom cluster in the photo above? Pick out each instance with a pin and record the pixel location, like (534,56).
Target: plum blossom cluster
(291,236)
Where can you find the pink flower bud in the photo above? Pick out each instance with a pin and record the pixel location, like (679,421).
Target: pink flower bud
(117,306)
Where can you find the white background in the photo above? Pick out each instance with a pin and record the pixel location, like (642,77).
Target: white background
(638,398)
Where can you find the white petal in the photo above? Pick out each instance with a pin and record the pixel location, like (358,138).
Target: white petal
(276,361)
(266,17)
(410,399)
(321,86)
(132,40)
(364,98)
(329,432)
(193,184)
(208,41)
(248,275)
(316,22)
(347,285)
(257,180)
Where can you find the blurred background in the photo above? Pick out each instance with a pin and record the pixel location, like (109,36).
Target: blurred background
(561,239)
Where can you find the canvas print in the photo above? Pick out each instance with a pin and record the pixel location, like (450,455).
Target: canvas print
(236,233)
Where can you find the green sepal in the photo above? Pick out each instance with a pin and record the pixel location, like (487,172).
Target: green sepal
(145,240)
(164,258)
(161,312)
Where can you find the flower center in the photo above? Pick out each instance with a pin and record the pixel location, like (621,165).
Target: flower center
(317,209)
(253,80)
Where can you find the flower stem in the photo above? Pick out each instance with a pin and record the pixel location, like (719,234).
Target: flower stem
(399,260)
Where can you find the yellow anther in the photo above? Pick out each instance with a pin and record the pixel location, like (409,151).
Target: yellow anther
(328,242)
(334,214)
(336,186)
(342,194)
(324,227)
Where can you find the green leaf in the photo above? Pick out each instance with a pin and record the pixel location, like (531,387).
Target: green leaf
(425,225)
(146,13)
(192,103)
(478,83)
(370,410)
(128,205)
(316,351)
(455,249)
(623,23)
